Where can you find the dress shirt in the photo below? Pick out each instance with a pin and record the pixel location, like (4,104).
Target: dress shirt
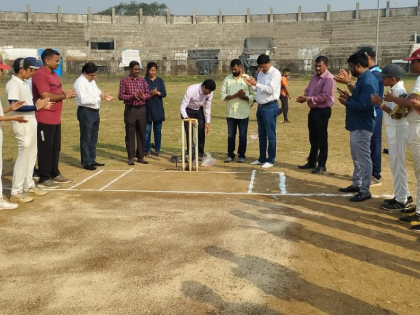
(268,86)
(129,86)
(87,93)
(237,108)
(194,98)
(360,111)
(320,91)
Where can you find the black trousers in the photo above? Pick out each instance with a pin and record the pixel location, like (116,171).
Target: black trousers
(89,128)
(284,105)
(49,146)
(318,119)
(135,119)
(199,115)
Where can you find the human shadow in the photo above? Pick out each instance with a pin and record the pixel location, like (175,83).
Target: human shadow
(297,232)
(282,282)
(340,212)
(202,293)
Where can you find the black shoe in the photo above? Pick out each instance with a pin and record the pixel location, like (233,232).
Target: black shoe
(412,218)
(351,188)
(130,162)
(141,161)
(98,164)
(393,205)
(307,166)
(319,170)
(360,196)
(411,209)
(409,200)
(90,167)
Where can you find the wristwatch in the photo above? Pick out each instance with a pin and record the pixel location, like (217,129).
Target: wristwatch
(348,83)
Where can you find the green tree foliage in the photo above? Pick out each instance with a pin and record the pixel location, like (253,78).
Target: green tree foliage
(132,8)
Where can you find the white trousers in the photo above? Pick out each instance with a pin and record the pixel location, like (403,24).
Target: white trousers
(397,146)
(25,134)
(414,143)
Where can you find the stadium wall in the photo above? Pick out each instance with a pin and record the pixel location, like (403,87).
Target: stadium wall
(298,38)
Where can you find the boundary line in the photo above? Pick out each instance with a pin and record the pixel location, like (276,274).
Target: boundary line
(118,178)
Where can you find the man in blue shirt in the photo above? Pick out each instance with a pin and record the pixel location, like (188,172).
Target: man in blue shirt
(360,121)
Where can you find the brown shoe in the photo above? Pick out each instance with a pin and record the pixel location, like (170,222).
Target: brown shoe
(141,161)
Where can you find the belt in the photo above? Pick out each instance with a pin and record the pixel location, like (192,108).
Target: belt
(268,103)
(91,109)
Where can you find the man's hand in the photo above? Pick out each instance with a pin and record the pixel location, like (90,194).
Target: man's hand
(207,128)
(415,104)
(241,94)
(343,99)
(70,94)
(250,81)
(376,99)
(16,105)
(44,103)
(19,119)
(390,96)
(343,76)
(301,99)
(109,97)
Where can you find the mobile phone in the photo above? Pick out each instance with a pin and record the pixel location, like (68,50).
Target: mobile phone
(340,91)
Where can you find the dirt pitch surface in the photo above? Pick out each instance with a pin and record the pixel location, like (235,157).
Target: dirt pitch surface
(153,240)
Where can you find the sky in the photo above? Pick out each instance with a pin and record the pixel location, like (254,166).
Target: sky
(185,7)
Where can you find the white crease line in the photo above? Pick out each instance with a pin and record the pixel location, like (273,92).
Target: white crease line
(85,180)
(118,178)
(251,183)
(282,184)
(213,193)
(179,172)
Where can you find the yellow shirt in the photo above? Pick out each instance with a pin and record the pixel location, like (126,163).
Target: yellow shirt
(237,108)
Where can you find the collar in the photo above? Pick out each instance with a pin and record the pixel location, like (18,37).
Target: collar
(15,78)
(363,75)
(399,84)
(84,78)
(323,75)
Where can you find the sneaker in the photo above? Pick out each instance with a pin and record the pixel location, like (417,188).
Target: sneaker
(256,163)
(411,209)
(393,205)
(375,182)
(5,205)
(61,180)
(412,218)
(228,159)
(267,165)
(415,226)
(49,184)
(241,160)
(351,188)
(35,191)
(21,198)
(409,200)
(361,196)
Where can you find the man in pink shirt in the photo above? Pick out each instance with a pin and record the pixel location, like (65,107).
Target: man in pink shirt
(197,104)
(319,95)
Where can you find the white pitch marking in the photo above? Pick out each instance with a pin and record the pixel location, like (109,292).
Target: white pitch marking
(118,178)
(168,171)
(85,180)
(282,184)
(251,183)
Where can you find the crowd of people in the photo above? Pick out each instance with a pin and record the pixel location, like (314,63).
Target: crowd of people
(35,95)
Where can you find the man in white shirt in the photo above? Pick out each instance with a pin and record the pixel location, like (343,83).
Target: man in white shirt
(88,98)
(17,89)
(396,132)
(268,93)
(196,97)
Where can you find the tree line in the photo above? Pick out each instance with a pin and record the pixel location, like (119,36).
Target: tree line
(132,8)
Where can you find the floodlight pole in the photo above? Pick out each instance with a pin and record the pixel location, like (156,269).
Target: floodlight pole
(377,35)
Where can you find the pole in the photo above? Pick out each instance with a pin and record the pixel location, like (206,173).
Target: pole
(377,35)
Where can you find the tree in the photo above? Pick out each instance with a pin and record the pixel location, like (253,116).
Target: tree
(132,8)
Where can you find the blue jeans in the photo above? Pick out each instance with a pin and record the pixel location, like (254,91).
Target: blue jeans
(242,125)
(267,123)
(157,131)
(376,144)
(89,128)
